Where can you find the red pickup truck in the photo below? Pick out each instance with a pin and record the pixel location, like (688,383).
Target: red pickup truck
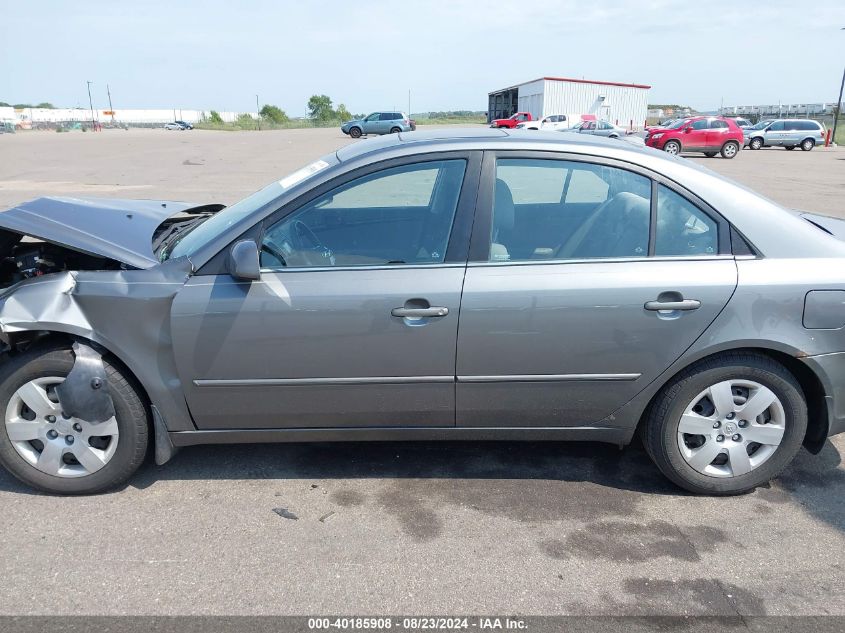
(511,121)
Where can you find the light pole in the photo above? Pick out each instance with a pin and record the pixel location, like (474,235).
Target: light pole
(258,110)
(111,109)
(91,105)
(836,110)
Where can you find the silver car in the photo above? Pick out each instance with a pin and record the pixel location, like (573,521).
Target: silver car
(464,284)
(786,133)
(598,128)
(378,123)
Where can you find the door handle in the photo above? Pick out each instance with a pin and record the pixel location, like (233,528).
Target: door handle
(684,304)
(419,313)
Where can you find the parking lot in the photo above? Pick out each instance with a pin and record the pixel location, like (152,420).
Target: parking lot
(445,528)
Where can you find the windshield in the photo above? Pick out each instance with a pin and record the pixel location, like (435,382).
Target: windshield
(676,124)
(198,235)
(761,125)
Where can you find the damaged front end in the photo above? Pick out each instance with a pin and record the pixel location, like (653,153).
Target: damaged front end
(86,272)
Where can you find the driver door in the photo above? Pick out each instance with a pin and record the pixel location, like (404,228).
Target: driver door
(371,124)
(354,320)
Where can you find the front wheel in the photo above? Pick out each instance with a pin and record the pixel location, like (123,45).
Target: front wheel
(727,424)
(730,149)
(808,144)
(355,132)
(672,147)
(755,143)
(52,452)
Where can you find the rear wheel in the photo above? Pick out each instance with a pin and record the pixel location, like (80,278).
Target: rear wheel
(755,143)
(395,130)
(355,132)
(52,452)
(730,149)
(727,424)
(672,147)
(807,144)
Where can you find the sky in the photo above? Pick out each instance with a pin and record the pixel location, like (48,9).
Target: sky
(449,54)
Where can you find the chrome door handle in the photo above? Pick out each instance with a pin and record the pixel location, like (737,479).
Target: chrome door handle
(419,313)
(686,304)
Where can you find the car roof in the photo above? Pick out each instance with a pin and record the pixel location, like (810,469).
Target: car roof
(463,138)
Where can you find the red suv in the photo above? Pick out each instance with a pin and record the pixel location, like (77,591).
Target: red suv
(707,134)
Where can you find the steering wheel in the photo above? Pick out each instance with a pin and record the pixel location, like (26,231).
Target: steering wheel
(304,239)
(271,249)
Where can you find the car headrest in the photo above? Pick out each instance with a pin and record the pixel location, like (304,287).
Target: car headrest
(503,212)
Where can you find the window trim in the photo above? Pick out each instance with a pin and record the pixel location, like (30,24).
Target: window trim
(458,244)
(479,249)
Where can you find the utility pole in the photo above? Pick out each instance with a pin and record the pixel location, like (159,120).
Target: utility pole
(838,108)
(258,110)
(91,105)
(409,103)
(111,109)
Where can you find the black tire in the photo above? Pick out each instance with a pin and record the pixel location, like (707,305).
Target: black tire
(789,148)
(755,143)
(710,154)
(395,130)
(730,150)
(660,426)
(672,144)
(130,412)
(807,144)
(355,132)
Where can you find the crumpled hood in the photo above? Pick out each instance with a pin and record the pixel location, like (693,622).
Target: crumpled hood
(118,229)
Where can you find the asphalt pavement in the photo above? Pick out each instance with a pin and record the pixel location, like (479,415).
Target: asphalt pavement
(495,528)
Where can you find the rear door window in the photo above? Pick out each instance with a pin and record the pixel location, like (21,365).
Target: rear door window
(585,211)
(682,228)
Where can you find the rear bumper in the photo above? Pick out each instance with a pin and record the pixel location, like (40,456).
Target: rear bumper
(830,369)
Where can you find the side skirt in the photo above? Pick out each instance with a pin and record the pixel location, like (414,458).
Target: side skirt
(610,435)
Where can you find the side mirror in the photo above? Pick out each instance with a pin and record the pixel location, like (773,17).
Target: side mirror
(242,262)
(687,130)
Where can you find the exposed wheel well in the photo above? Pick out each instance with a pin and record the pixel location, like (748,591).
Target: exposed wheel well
(38,340)
(817,419)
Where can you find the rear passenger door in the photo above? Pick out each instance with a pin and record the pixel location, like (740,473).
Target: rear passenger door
(792,133)
(386,121)
(586,280)
(716,133)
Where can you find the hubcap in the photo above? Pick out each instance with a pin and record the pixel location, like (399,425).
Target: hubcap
(672,148)
(709,435)
(54,444)
(730,150)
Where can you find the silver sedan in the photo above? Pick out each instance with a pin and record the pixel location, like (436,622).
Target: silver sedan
(442,285)
(598,128)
